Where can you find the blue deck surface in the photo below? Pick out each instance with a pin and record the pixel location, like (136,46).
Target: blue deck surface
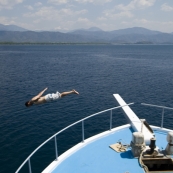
(98,157)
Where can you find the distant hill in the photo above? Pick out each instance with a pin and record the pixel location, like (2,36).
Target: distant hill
(135,30)
(110,35)
(128,35)
(162,38)
(41,37)
(134,35)
(11,28)
(89,29)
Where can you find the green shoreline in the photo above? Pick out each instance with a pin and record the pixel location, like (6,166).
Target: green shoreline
(48,43)
(42,43)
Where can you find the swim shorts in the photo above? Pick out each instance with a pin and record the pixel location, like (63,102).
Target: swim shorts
(52,97)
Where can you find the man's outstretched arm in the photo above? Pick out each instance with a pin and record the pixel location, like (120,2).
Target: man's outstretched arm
(38,96)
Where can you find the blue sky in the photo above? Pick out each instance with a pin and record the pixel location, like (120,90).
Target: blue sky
(108,15)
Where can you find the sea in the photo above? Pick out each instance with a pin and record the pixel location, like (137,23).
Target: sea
(139,73)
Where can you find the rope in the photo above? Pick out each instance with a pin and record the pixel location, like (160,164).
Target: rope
(141,162)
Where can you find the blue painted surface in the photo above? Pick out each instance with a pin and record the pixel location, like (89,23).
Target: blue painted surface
(161,141)
(99,157)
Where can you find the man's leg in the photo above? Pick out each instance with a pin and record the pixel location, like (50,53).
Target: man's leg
(69,92)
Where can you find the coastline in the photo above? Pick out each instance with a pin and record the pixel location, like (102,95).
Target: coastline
(89,43)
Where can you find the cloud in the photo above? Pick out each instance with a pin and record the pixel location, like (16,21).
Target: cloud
(51,13)
(57,2)
(83,20)
(112,14)
(84,23)
(94,1)
(141,21)
(166,7)
(135,4)
(128,7)
(8,4)
(61,18)
(7,21)
(126,11)
(144,3)
(29,7)
(38,4)
(102,18)
(3,19)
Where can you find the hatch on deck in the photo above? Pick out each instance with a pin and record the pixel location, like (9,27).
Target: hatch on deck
(158,164)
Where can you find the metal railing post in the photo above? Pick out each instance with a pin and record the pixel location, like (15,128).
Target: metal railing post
(83,138)
(162,118)
(111,120)
(163,108)
(29,163)
(56,150)
(142,123)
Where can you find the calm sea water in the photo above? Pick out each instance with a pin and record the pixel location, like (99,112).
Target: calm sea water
(139,73)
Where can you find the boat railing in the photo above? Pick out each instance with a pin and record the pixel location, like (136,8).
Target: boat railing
(163,109)
(55,135)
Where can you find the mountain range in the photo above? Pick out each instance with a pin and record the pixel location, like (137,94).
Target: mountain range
(135,35)
(11,28)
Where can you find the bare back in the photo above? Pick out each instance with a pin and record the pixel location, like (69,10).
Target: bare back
(40,100)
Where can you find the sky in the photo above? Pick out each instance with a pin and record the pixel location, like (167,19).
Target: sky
(108,15)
